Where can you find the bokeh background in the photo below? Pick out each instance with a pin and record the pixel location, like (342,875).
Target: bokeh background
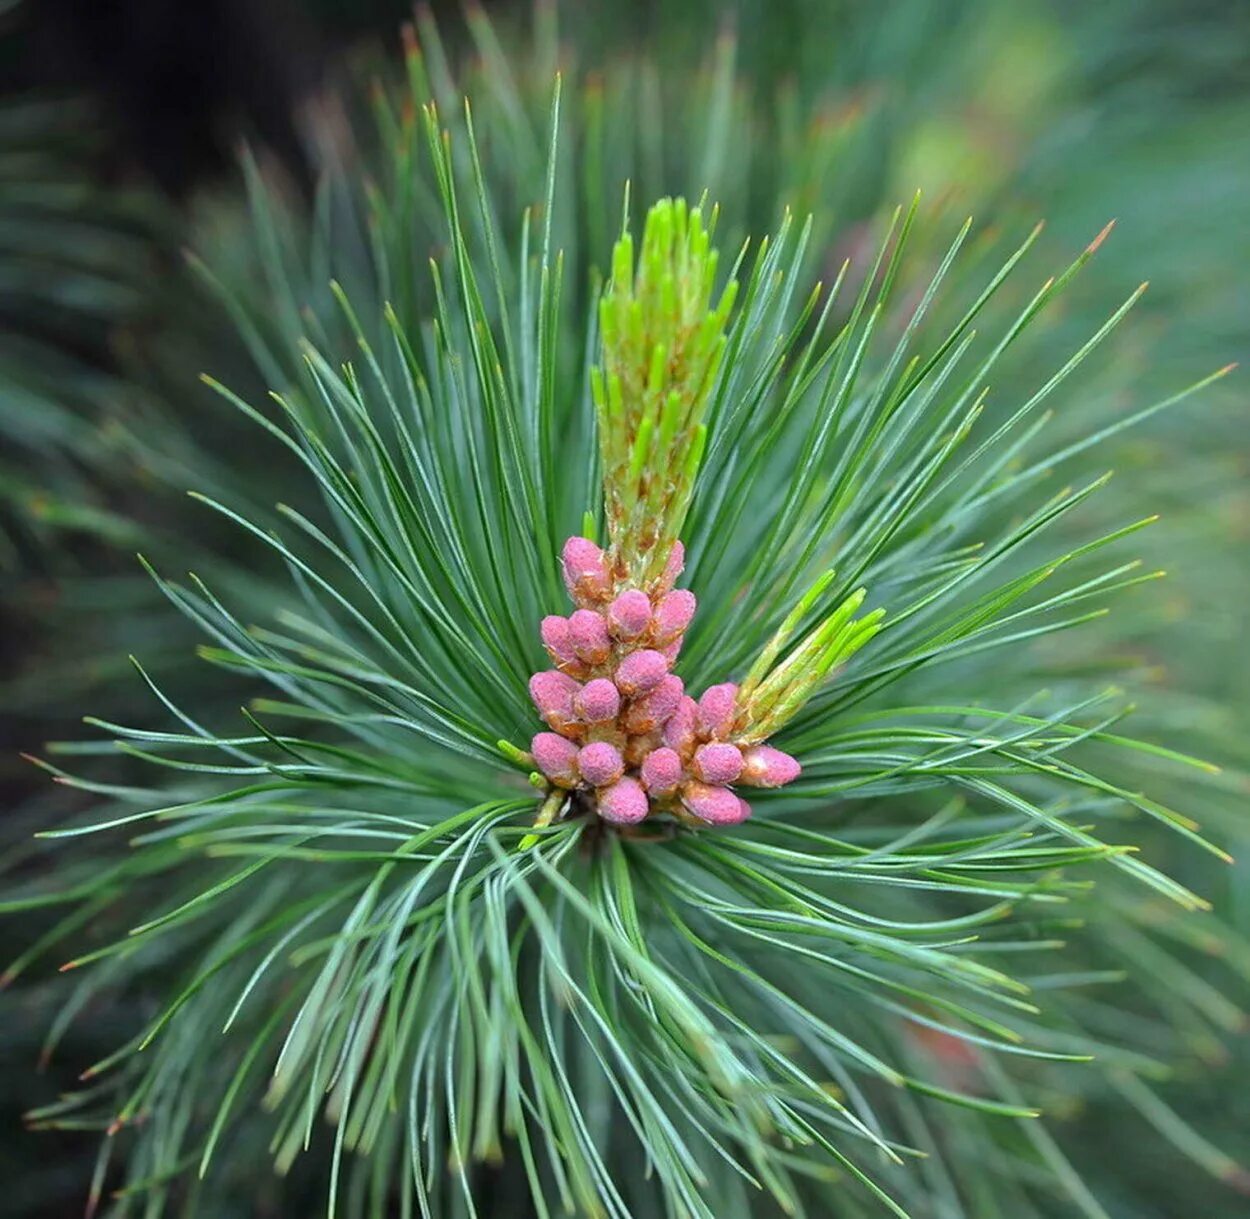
(121,124)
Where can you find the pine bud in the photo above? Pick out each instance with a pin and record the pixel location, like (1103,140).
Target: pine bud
(717,763)
(624,803)
(640,672)
(661,772)
(552,692)
(600,764)
(717,708)
(629,614)
(653,710)
(557,640)
(585,571)
(598,701)
(679,732)
(589,635)
(764,766)
(672,615)
(556,758)
(717,805)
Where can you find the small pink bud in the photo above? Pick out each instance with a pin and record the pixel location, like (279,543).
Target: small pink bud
(653,710)
(680,729)
(640,672)
(556,758)
(600,764)
(717,708)
(674,567)
(717,763)
(598,701)
(589,635)
(764,766)
(552,692)
(624,803)
(717,805)
(673,615)
(556,639)
(661,772)
(670,651)
(585,571)
(629,614)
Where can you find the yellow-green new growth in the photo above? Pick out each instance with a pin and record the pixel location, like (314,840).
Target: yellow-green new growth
(662,342)
(772,694)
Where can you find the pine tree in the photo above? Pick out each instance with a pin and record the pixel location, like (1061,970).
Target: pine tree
(467,940)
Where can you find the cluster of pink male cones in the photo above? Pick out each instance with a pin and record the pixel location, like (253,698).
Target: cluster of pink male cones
(623,727)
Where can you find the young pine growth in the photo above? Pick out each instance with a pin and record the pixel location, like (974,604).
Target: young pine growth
(662,344)
(626,739)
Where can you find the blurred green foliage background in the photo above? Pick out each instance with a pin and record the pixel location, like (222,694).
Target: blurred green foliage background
(1132,110)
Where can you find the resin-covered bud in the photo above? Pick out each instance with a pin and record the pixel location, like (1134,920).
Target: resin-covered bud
(552,692)
(764,766)
(598,701)
(717,805)
(672,615)
(556,757)
(624,803)
(717,708)
(600,764)
(585,571)
(717,763)
(662,772)
(654,709)
(588,633)
(630,614)
(640,672)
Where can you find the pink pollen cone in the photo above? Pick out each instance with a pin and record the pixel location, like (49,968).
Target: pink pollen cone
(556,758)
(624,803)
(674,567)
(640,672)
(717,805)
(718,763)
(585,571)
(653,710)
(629,614)
(589,635)
(556,639)
(661,771)
(764,766)
(673,615)
(552,692)
(679,731)
(717,708)
(598,701)
(600,764)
